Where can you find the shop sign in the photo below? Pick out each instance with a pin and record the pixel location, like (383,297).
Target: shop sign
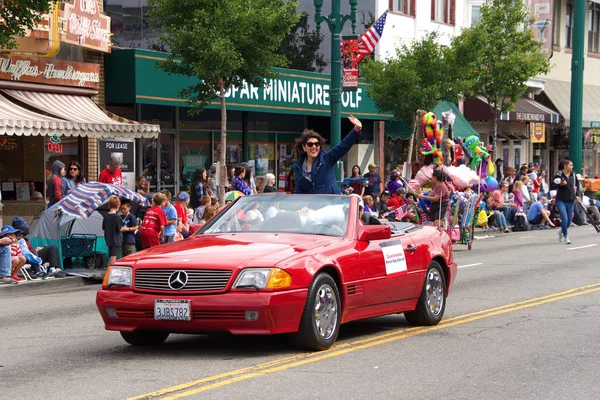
(595,124)
(538,132)
(85,26)
(49,71)
(54,145)
(8,144)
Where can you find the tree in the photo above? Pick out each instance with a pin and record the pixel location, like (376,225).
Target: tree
(225,44)
(419,77)
(16,16)
(499,54)
(301,47)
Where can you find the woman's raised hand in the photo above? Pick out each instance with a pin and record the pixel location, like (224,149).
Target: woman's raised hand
(356,122)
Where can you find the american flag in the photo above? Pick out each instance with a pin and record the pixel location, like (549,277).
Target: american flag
(368,41)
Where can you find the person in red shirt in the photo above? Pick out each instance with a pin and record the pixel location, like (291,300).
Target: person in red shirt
(112,174)
(153,225)
(397,200)
(181,207)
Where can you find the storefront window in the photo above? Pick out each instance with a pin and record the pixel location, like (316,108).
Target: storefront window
(261,151)
(194,153)
(234,148)
(517,156)
(287,156)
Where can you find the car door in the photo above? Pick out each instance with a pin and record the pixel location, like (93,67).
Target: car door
(391,269)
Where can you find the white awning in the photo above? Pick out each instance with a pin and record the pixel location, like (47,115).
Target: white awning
(76,116)
(559,93)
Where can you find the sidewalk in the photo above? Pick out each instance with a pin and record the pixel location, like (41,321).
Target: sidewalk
(43,286)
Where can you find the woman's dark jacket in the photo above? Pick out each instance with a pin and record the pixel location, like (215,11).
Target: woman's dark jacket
(322,172)
(565,192)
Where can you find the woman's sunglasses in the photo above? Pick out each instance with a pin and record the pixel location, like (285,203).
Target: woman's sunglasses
(73,169)
(313,144)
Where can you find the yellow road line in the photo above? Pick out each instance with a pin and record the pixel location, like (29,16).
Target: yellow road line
(345,348)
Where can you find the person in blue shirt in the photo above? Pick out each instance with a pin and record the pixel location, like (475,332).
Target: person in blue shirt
(130,227)
(314,169)
(171,214)
(538,215)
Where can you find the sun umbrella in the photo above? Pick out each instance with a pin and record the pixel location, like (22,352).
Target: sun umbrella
(82,201)
(234,194)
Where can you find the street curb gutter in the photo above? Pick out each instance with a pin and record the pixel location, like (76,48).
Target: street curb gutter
(48,286)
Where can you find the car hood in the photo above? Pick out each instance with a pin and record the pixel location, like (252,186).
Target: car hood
(227,251)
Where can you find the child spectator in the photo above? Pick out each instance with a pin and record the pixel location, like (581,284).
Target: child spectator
(209,212)
(171,215)
(181,207)
(112,225)
(129,229)
(153,225)
(17,260)
(204,202)
(517,192)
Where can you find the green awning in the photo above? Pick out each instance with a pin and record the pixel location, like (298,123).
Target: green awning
(396,129)
(462,127)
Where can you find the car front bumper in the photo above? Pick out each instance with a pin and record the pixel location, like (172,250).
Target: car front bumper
(279,312)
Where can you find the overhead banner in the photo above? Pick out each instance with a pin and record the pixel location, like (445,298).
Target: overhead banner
(538,132)
(50,71)
(350,62)
(543,12)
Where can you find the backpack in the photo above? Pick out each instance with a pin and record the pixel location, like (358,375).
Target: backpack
(521,224)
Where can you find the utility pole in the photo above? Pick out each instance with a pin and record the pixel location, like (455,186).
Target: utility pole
(335,21)
(576,122)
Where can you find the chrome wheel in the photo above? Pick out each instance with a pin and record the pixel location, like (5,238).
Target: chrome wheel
(434,291)
(326,311)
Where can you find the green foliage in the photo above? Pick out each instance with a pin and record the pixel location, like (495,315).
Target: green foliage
(301,47)
(417,78)
(17,16)
(499,54)
(222,42)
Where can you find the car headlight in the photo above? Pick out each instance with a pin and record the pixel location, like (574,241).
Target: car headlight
(117,276)
(263,278)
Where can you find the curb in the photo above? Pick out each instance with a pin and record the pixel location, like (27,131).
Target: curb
(48,286)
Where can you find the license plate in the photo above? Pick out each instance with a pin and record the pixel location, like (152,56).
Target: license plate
(172,310)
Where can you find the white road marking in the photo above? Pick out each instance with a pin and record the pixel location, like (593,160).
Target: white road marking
(470,265)
(525,237)
(582,247)
(483,237)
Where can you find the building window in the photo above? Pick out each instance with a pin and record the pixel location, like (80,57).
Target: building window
(403,6)
(594,28)
(475,14)
(443,11)
(569,25)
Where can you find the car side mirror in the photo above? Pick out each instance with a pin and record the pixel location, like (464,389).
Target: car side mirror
(368,233)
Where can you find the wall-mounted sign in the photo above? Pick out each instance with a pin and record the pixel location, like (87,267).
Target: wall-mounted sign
(8,144)
(53,72)
(54,145)
(538,132)
(86,26)
(124,151)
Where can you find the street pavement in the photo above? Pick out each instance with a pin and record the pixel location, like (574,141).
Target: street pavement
(521,323)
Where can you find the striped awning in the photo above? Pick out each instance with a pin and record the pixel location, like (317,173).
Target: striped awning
(70,115)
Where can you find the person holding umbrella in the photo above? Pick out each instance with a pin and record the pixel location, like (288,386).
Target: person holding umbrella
(314,170)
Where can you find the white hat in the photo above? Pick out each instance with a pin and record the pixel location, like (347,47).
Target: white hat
(360,200)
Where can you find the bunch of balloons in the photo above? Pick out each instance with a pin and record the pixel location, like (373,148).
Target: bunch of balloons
(433,130)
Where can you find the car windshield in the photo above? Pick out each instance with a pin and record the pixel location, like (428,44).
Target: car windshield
(280,213)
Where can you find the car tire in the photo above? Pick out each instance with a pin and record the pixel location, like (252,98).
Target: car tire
(320,323)
(145,338)
(432,302)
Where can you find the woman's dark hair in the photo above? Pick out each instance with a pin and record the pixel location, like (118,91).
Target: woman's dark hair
(359,172)
(198,179)
(239,169)
(563,163)
(308,134)
(439,175)
(79,176)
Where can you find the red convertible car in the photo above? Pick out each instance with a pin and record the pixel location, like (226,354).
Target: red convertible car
(276,263)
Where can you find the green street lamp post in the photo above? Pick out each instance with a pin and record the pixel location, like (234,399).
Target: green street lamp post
(336,22)
(576,125)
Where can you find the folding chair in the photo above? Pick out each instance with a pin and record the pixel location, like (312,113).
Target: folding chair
(25,272)
(79,245)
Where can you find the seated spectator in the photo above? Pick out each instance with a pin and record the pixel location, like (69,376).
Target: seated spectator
(382,207)
(17,260)
(538,215)
(393,184)
(5,258)
(591,207)
(369,206)
(47,253)
(209,212)
(518,193)
(497,202)
(397,200)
